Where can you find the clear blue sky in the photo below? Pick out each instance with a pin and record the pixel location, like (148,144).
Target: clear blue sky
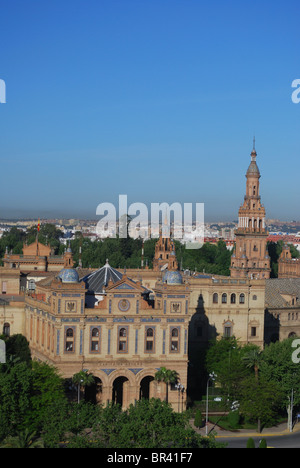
(156,99)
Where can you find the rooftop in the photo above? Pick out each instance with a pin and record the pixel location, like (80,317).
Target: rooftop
(99,279)
(280,291)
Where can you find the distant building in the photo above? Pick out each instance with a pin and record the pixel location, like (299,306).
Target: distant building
(36,256)
(282,309)
(288,267)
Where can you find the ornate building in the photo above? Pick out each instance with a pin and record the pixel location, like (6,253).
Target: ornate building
(250,258)
(288,267)
(36,256)
(165,257)
(106,323)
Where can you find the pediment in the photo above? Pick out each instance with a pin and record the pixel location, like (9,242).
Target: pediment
(126,284)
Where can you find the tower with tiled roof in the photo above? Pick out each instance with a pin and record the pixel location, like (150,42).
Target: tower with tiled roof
(250,258)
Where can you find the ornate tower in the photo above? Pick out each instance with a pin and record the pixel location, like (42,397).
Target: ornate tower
(250,258)
(165,257)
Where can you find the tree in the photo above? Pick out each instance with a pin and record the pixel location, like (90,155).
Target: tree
(25,439)
(15,388)
(13,240)
(18,346)
(82,379)
(26,394)
(225,358)
(252,359)
(147,424)
(259,400)
(277,366)
(47,389)
(168,377)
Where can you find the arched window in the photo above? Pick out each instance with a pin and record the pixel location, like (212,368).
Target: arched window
(232,298)
(123,340)
(95,340)
(69,341)
(242,298)
(174,344)
(6,329)
(224,298)
(215,298)
(149,344)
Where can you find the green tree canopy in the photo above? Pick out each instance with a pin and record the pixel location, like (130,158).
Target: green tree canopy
(225,357)
(26,393)
(147,424)
(260,400)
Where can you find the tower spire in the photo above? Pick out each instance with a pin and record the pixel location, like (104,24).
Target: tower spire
(253,152)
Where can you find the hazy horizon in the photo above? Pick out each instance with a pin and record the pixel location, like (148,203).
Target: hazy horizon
(157,100)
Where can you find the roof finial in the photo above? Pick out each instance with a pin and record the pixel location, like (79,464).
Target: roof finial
(253,152)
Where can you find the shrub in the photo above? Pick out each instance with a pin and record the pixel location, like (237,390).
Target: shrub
(234,419)
(250,443)
(198,419)
(263,443)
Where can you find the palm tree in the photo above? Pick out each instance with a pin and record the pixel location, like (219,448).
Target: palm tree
(24,439)
(168,377)
(253,360)
(82,379)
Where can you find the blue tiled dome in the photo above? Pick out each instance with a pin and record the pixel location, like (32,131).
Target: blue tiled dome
(172,277)
(68,275)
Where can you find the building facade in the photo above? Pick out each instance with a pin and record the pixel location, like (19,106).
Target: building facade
(35,257)
(282,318)
(116,333)
(288,267)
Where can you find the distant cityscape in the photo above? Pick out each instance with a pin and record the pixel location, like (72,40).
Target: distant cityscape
(288,231)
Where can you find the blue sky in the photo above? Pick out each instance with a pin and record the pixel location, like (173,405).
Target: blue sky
(156,99)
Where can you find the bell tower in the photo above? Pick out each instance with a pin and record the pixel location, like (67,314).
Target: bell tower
(250,258)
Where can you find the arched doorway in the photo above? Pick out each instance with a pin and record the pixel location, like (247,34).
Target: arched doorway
(120,391)
(145,389)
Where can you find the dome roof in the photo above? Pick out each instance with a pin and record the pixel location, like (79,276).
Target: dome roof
(253,169)
(172,277)
(68,275)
